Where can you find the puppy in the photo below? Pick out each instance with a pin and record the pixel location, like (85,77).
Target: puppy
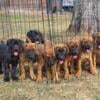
(43,55)
(35,36)
(28,55)
(14,48)
(61,56)
(74,57)
(49,57)
(4,58)
(46,52)
(87,52)
(96,50)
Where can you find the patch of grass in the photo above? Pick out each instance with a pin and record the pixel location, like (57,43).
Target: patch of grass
(11,25)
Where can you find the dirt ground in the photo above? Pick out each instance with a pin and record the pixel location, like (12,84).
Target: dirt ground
(85,88)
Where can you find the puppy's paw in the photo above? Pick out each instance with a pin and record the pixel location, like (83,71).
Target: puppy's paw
(78,74)
(23,77)
(33,78)
(67,77)
(39,79)
(94,72)
(6,79)
(15,78)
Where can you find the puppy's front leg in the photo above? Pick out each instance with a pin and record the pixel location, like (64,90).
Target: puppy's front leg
(57,72)
(48,72)
(92,67)
(23,73)
(66,74)
(79,72)
(39,71)
(53,69)
(94,60)
(32,75)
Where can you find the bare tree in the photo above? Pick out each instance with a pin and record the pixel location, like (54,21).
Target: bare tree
(86,16)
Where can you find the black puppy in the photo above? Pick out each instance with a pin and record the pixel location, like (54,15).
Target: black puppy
(15,46)
(35,36)
(4,58)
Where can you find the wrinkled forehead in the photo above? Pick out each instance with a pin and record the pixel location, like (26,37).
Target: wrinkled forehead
(74,43)
(59,45)
(61,48)
(87,38)
(30,45)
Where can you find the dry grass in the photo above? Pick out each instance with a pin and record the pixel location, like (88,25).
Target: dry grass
(85,88)
(18,23)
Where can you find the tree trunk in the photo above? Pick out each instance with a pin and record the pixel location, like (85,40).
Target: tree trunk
(86,16)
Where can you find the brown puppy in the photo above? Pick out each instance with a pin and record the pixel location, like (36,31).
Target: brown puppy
(74,56)
(96,55)
(28,55)
(61,56)
(49,58)
(87,52)
(42,54)
(46,52)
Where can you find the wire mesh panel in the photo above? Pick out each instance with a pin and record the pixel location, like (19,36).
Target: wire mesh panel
(51,17)
(17,17)
(65,23)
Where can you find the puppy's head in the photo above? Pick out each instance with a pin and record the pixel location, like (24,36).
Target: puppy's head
(86,44)
(35,36)
(50,60)
(74,48)
(96,38)
(15,46)
(30,51)
(61,52)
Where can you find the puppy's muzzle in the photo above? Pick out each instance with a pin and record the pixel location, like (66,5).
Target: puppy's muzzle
(50,61)
(86,47)
(98,43)
(60,56)
(74,52)
(31,56)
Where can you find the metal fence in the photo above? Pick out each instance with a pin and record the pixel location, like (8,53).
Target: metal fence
(19,16)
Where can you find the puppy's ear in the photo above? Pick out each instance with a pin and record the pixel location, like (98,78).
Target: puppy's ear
(28,40)
(66,47)
(93,36)
(90,38)
(8,42)
(55,48)
(20,42)
(29,46)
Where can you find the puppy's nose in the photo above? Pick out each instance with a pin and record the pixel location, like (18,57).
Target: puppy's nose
(50,62)
(88,46)
(16,48)
(61,57)
(98,41)
(32,57)
(75,52)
